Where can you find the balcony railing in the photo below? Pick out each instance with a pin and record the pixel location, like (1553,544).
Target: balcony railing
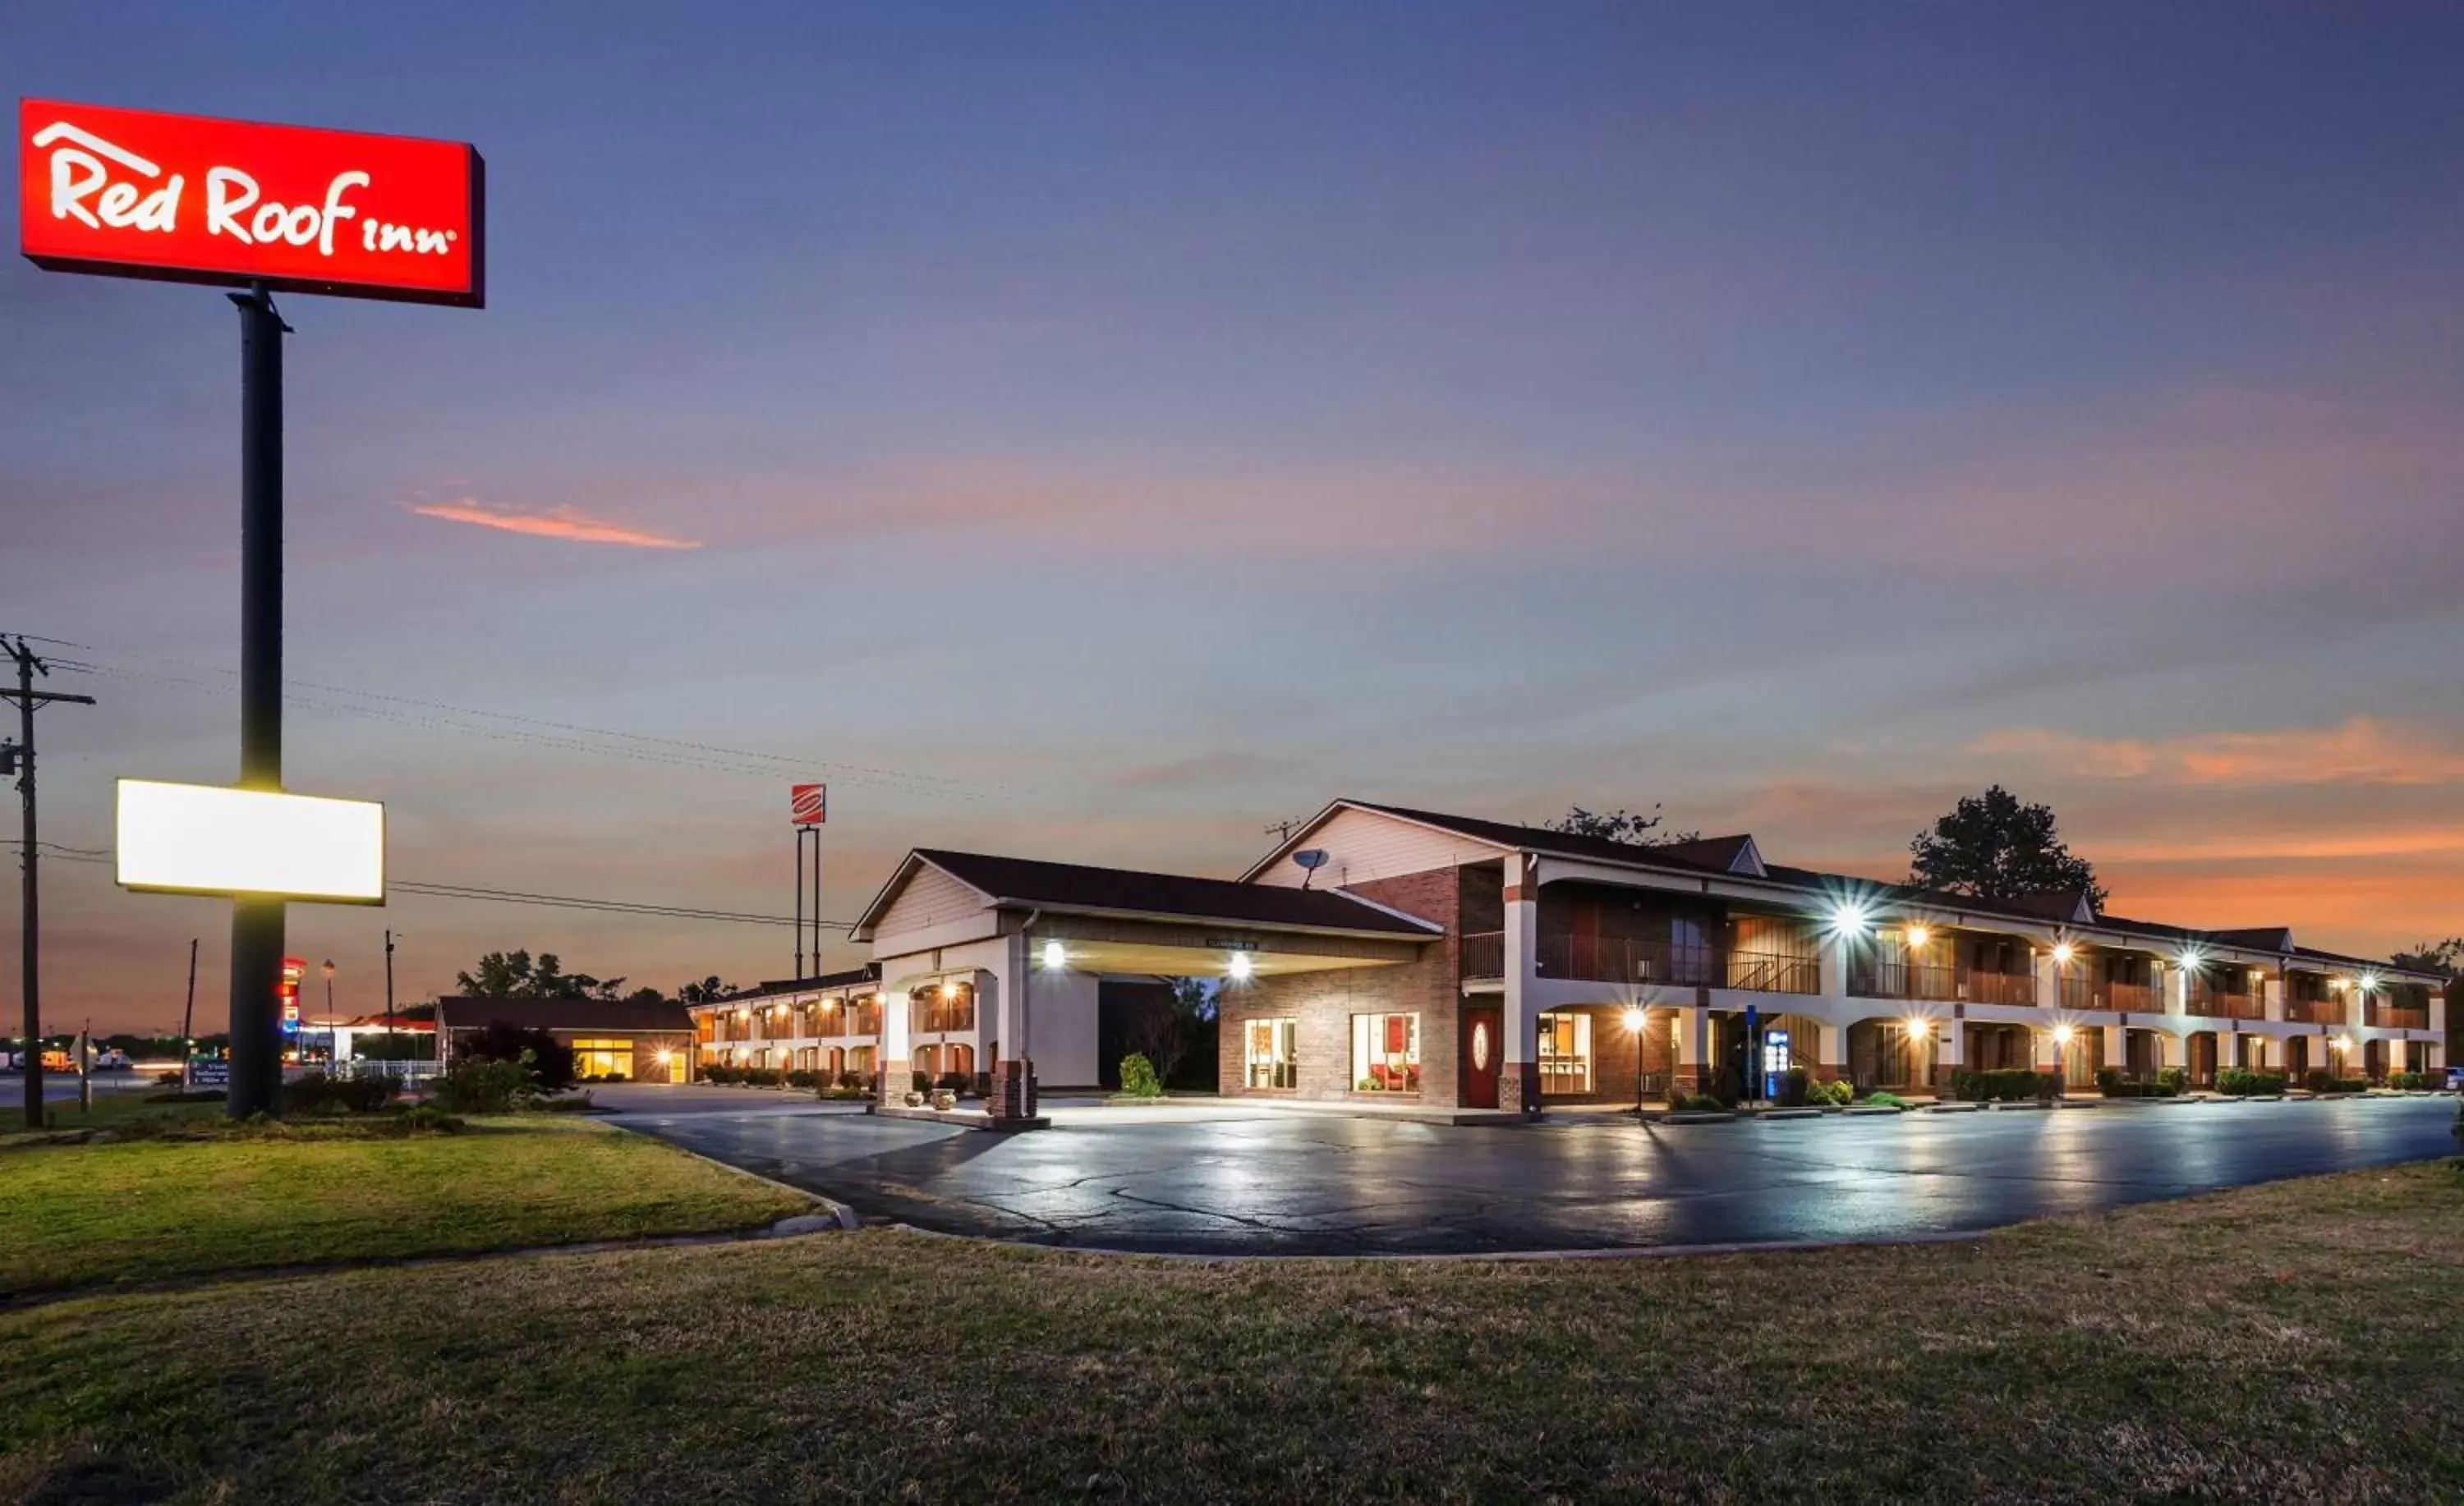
(1886,978)
(2001,987)
(1766,971)
(1483,954)
(1625,959)
(2080,992)
(2315,1012)
(2133,998)
(2396,1017)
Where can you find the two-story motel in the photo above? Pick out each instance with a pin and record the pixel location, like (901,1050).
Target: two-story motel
(1410,957)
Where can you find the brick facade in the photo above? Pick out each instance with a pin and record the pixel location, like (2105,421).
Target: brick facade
(1324,1003)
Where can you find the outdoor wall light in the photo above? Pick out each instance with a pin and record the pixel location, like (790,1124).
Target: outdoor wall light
(949,990)
(1918,936)
(1918,1029)
(1635,1019)
(1240,966)
(2343,1043)
(2062,1035)
(2063,952)
(1848,918)
(2370,982)
(2192,957)
(1055,954)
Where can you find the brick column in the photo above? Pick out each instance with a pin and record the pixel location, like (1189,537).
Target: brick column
(1013,1074)
(1693,1050)
(1949,1052)
(1831,1052)
(1518,1079)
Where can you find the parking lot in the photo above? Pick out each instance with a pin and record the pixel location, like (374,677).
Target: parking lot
(1205,1178)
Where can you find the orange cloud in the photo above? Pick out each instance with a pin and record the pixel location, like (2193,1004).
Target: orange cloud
(2362,751)
(569,523)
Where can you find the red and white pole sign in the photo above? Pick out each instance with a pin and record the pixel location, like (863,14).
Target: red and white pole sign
(185,198)
(809,804)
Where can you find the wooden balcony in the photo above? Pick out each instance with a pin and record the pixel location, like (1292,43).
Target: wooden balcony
(1886,978)
(2315,1012)
(2078,992)
(2000,988)
(2395,1017)
(1626,960)
(2133,998)
(1482,954)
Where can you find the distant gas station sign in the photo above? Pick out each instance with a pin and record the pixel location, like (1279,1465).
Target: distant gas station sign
(186,198)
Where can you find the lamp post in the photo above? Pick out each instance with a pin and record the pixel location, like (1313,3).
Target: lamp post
(332,1055)
(1634,1020)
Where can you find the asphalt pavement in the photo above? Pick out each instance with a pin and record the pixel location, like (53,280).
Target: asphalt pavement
(1233,1179)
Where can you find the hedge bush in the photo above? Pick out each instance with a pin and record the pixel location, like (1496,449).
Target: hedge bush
(2005,1085)
(2241,1082)
(317,1093)
(2168,1083)
(2412,1081)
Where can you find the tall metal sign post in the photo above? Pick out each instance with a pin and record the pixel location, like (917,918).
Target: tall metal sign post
(808,809)
(265,208)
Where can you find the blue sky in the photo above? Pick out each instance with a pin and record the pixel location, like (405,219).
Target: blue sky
(1124,427)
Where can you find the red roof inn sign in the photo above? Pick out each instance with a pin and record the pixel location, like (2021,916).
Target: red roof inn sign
(183,198)
(264,209)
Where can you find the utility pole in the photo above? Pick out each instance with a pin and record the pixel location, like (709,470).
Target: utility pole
(389,986)
(21,757)
(188,1014)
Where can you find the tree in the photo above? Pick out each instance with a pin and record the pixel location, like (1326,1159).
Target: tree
(1992,846)
(2443,957)
(548,1059)
(1630,827)
(709,990)
(1170,1029)
(516,975)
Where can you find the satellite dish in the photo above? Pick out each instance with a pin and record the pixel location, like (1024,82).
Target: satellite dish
(1311,857)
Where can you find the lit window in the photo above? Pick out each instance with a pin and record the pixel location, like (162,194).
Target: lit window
(1565,1053)
(1273,1053)
(1386,1053)
(603,1059)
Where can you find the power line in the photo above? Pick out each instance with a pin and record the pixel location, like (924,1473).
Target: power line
(674,752)
(468,891)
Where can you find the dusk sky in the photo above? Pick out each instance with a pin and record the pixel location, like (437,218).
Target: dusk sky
(1093,432)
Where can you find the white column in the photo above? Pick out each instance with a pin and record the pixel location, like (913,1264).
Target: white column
(2116,1047)
(1831,1047)
(1518,1081)
(1693,1047)
(2049,981)
(1013,989)
(2275,996)
(892,1060)
(1832,966)
(2177,991)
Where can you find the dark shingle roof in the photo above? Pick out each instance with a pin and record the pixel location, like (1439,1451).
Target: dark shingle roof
(470,1011)
(1710,854)
(1070,885)
(853,978)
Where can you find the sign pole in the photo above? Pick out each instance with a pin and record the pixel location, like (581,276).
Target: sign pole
(257,921)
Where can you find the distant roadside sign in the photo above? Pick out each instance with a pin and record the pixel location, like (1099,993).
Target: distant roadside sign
(809,804)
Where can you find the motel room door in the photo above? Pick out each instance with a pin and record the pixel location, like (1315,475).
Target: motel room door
(1482,1048)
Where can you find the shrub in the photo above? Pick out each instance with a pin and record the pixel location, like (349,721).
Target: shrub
(1839,1093)
(1795,1087)
(484,1085)
(718,1072)
(2411,1081)
(2174,1080)
(578,1103)
(800,1078)
(956,1082)
(761,1076)
(2242,1082)
(319,1094)
(1696,1103)
(1881,1100)
(1138,1078)
(2006,1085)
(920,1081)
(2110,1082)
(2318,1080)
(855,1082)
(429,1120)
(547,1061)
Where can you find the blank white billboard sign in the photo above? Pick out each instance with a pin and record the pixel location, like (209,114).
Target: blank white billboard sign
(203,839)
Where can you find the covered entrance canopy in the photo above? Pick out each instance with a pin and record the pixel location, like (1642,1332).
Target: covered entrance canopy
(1038,941)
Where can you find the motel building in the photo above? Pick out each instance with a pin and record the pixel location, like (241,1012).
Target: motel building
(1387,957)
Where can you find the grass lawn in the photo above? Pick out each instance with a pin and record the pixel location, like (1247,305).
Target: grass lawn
(2298,1341)
(73,1216)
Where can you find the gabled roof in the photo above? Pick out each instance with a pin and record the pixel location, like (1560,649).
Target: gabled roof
(1736,854)
(1081,888)
(471,1012)
(2258,938)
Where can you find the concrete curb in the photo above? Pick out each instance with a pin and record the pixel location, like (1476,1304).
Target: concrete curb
(838,1214)
(1955,1237)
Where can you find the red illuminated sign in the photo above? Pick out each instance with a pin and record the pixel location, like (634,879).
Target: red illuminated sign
(807,804)
(183,198)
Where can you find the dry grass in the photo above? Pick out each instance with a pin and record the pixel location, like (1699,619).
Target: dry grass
(2296,1342)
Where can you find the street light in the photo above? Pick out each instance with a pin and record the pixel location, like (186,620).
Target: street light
(1634,1020)
(332,1053)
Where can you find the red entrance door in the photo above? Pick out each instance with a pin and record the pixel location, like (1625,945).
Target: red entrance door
(1482,1048)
